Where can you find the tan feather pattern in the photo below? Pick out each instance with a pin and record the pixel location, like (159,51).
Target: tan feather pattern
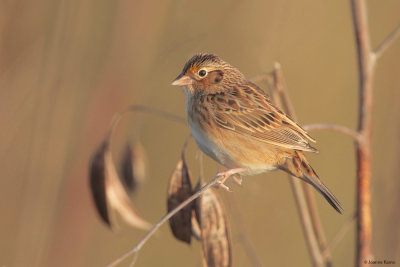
(248,111)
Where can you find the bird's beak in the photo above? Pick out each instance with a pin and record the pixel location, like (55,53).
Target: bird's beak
(182,80)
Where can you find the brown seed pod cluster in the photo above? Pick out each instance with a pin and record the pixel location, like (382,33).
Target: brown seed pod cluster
(108,192)
(205,219)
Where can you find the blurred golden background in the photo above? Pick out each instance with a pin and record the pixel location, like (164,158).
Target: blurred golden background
(67,66)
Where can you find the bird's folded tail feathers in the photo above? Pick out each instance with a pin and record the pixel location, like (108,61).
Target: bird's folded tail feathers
(298,166)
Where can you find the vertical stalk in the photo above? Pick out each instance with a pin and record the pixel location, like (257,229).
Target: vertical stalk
(305,201)
(366,64)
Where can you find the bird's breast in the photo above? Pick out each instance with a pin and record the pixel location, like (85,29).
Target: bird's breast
(206,142)
(227,147)
(204,132)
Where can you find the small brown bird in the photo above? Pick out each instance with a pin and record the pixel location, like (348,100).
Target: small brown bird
(234,122)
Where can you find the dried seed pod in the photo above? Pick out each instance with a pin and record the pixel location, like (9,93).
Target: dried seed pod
(215,236)
(179,189)
(108,191)
(196,231)
(98,182)
(133,166)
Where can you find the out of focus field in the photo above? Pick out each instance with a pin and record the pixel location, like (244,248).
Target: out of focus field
(67,66)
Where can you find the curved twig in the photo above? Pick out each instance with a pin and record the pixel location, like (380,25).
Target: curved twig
(117,117)
(164,219)
(333,127)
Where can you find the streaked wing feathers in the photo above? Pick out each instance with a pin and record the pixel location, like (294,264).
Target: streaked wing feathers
(248,111)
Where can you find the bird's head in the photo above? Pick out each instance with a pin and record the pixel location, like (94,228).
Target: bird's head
(207,73)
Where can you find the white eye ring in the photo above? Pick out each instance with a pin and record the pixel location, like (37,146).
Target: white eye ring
(202,73)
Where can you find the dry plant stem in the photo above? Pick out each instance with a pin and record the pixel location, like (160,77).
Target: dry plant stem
(366,63)
(316,223)
(133,262)
(389,40)
(304,198)
(140,108)
(201,165)
(164,219)
(333,127)
(260,78)
(185,144)
(327,249)
(250,250)
(305,218)
(340,234)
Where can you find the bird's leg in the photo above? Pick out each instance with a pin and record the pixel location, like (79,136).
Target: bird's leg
(223,176)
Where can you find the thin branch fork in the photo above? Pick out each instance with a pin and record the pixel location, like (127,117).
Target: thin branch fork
(387,42)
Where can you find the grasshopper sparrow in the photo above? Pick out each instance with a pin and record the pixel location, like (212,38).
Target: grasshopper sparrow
(234,122)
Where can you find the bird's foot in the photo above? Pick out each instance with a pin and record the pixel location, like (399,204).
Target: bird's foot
(237,178)
(223,176)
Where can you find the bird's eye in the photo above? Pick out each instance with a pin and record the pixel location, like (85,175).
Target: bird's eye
(202,73)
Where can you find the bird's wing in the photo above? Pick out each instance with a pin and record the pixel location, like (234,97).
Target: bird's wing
(247,110)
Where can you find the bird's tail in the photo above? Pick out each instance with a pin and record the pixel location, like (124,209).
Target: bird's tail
(298,166)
